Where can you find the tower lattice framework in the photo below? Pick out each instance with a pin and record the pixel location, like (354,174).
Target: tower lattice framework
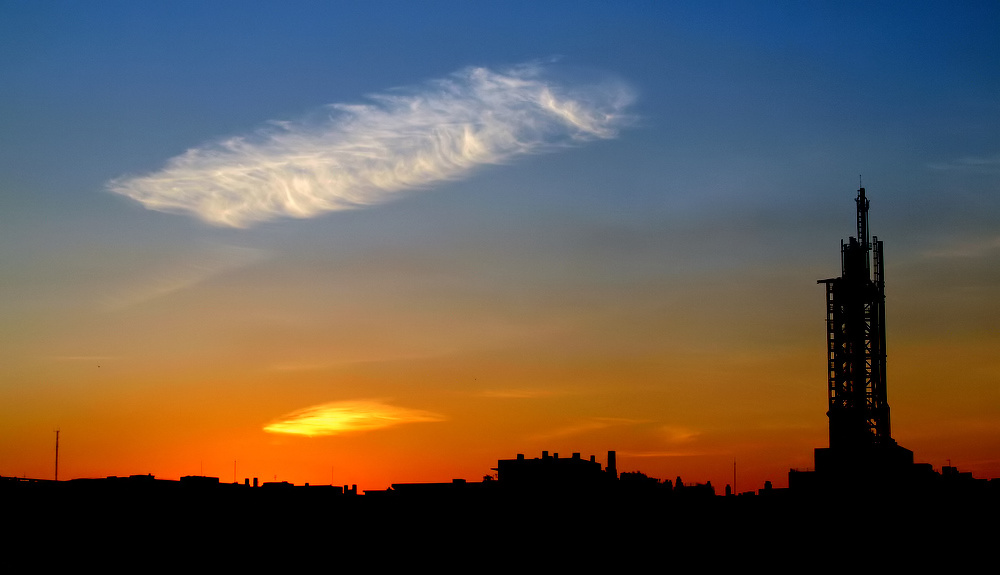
(855,321)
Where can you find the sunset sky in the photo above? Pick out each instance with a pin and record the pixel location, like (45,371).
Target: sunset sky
(376,242)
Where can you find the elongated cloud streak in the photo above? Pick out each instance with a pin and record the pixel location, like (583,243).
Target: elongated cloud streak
(345,416)
(364,154)
(187,271)
(585,426)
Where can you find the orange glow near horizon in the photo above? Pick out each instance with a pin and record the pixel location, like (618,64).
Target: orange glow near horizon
(666,406)
(663,430)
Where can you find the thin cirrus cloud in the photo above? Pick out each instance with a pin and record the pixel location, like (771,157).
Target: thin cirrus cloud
(355,155)
(517,393)
(585,426)
(339,417)
(183,272)
(970,163)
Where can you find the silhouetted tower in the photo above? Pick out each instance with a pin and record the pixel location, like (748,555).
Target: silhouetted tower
(862,457)
(855,325)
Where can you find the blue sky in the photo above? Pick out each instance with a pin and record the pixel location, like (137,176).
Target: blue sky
(694,228)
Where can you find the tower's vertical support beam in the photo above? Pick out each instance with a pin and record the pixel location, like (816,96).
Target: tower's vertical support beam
(881,404)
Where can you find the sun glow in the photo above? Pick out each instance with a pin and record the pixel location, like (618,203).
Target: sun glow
(347,416)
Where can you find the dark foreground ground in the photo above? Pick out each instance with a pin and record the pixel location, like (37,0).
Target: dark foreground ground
(492,530)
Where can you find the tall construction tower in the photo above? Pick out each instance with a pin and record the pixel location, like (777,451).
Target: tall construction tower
(855,330)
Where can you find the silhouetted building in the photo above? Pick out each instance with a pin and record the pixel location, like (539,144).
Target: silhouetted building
(199,481)
(637,477)
(612,468)
(454,488)
(553,471)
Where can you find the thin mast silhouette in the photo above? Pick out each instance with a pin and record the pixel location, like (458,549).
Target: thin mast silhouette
(57,455)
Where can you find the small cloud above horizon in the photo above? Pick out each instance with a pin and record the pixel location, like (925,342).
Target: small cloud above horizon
(354,155)
(970,163)
(518,393)
(678,435)
(340,417)
(585,426)
(967,248)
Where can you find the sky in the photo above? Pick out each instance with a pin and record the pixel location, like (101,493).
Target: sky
(366,243)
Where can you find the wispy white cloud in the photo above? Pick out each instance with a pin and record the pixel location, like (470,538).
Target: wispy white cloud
(346,416)
(973,163)
(363,154)
(182,272)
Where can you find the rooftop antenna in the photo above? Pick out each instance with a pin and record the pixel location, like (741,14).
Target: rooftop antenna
(57,455)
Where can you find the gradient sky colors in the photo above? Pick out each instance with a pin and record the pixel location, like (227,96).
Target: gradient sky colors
(376,242)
